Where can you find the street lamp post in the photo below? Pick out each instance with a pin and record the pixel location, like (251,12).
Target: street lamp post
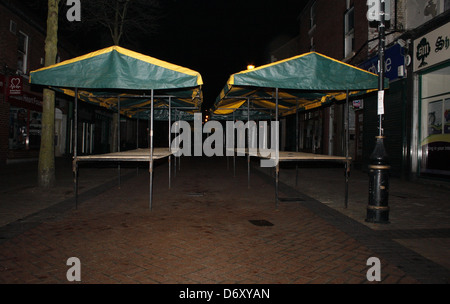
(378,208)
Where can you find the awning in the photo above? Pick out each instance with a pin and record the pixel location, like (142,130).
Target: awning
(104,76)
(304,82)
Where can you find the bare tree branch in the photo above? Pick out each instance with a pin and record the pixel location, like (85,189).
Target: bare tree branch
(120,17)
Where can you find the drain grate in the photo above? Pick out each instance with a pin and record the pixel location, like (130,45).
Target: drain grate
(261,223)
(196,194)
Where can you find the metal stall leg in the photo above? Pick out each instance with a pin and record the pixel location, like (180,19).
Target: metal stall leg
(137,141)
(151,154)
(177,145)
(277,175)
(75,181)
(296,142)
(347,162)
(75,150)
(277,169)
(347,172)
(248,171)
(170,138)
(248,143)
(234,152)
(118,135)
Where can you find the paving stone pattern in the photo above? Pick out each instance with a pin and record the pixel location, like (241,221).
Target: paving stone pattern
(200,231)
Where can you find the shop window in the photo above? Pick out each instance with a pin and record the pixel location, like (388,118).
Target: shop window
(435,122)
(349,32)
(12,27)
(35,129)
(18,128)
(311,139)
(24,129)
(22,53)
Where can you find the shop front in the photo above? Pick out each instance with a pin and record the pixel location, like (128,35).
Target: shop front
(25,113)
(22,109)
(432,74)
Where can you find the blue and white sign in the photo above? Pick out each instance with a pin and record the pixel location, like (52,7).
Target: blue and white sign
(393,62)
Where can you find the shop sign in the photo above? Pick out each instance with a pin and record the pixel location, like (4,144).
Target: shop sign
(357,104)
(27,98)
(393,63)
(432,48)
(14,85)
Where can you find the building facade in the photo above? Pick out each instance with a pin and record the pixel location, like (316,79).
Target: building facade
(429,84)
(337,29)
(417,103)
(22,40)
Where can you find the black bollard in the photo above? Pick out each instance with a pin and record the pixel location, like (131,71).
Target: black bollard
(378,209)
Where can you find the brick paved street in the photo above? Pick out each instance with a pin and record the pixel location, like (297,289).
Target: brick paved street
(200,231)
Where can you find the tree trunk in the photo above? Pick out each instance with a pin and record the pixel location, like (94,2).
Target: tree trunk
(46,168)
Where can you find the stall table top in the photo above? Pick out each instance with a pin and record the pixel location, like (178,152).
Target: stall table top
(291,155)
(142,154)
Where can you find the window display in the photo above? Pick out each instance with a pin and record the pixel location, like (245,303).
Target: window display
(435,126)
(24,129)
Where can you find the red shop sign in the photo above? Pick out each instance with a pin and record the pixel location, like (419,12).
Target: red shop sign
(14,85)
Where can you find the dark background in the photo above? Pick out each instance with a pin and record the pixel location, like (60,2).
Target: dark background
(220,37)
(214,37)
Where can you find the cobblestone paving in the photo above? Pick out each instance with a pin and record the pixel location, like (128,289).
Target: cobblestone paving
(200,231)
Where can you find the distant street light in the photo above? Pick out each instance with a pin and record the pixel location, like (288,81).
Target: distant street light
(250,67)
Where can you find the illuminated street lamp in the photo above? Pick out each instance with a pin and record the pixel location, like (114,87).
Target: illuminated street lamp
(250,67)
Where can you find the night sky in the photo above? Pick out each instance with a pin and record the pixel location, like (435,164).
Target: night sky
(214,37)
(220,37)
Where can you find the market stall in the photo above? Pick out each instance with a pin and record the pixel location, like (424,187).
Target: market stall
(134,85)
(289,86)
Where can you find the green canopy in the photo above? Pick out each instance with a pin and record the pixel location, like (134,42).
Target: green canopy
(108,75)
(304,82)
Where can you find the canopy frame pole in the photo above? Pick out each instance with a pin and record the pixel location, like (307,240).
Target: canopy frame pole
(137,140)
(277,169)
(269,139)
(118,135)
(179,157)
(170,138)
(176,142)
(234,156)
(296,141)
(347,163)
(225,147)
(137,132)
(151,154)
(248,143)
(75,145)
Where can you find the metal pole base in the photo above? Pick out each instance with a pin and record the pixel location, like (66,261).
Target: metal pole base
(378,207)
(379,215)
